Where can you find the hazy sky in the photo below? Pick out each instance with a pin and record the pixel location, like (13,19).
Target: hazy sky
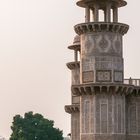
(34,35)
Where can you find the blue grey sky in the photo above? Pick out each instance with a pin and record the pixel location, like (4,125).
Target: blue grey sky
(34,35)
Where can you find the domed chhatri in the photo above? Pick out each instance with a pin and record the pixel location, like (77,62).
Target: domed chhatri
(75,47)
(76,40)
(105,6)
(102,3)
(76,44)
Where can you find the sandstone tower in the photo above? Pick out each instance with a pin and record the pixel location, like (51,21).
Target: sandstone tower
(105,106)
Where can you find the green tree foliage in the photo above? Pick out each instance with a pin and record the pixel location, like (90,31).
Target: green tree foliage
(34,127)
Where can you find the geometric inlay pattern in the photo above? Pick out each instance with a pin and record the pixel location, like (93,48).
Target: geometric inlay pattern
(103,76)
(103,43)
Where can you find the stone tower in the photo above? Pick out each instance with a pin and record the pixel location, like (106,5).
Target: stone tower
(105,106)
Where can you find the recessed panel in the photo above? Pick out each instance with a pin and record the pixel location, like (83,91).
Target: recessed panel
(88,76)
(118,76)
(103,76)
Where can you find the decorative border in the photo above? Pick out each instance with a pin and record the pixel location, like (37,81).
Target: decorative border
(101,27)
(95,88)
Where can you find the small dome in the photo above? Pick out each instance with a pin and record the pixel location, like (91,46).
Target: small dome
(76,40)
(76,43)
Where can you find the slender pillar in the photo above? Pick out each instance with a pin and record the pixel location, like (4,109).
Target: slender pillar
(75,55)
(105,15)
(96,13)
(92,14)
(87,14)
(108,13)
(115,14)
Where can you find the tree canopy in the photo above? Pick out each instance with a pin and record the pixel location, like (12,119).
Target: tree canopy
(34,127)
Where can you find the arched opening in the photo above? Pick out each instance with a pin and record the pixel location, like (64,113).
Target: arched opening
(101,15)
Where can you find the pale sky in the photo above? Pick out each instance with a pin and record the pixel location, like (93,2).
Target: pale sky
(34,35)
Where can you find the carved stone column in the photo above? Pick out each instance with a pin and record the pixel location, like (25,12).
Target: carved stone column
(107,12)
(87,14)
(75,55)
(96,13)
(115,14)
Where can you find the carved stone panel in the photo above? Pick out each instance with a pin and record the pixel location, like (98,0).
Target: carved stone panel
(119,109)
(87,114)
(88,63)
(103,76)
(104,117)
(101,43)
(133,114)
(117,63)
(118,76)
(119,114)
(88,76)
(75,76)
(103,65)
(87,45)
(97,114)
(117,44)
(110,114)
(132,119)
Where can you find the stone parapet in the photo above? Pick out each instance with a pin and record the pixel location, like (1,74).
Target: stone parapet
(101,27)
(135,82)
(89,89)
(72,108)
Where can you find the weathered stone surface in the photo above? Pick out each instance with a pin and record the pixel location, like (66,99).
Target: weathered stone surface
(133,115)
(75,76)
(103,107)
(87,114)
(101,57)
(106,112)
(103,137)
(75,126)
(132,137)
(75,99)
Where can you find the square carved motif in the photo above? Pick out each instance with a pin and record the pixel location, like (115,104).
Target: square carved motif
(118,76)
(88,76)
(103,76)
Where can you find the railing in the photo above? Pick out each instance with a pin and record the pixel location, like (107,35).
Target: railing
(135,82)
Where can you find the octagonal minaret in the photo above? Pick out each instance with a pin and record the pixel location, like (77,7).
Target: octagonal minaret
(104,105)
(101,42)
